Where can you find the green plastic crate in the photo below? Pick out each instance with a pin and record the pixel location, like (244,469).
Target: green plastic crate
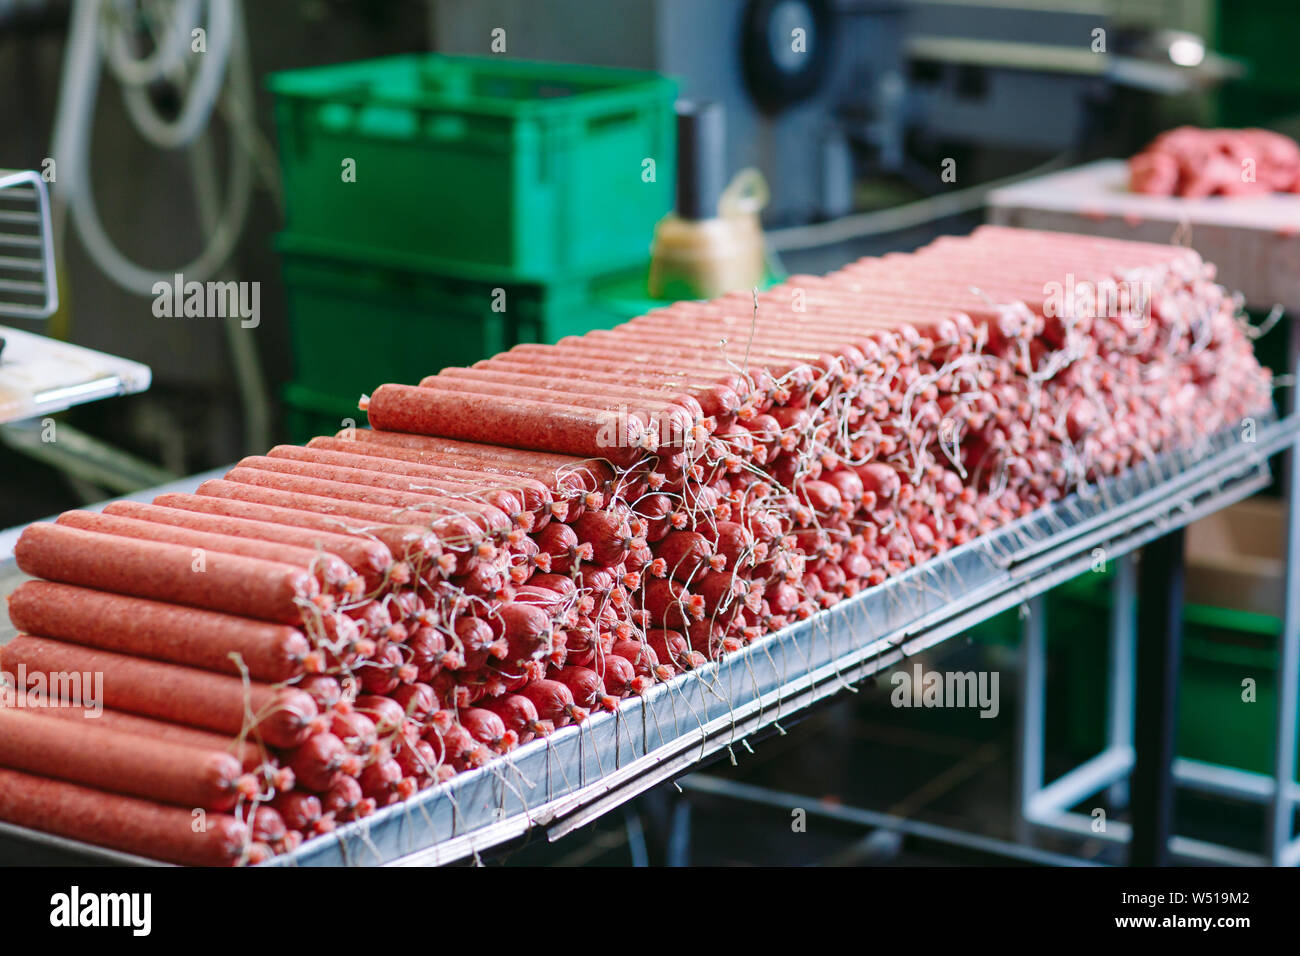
(480,166)
(1270,89)
(355,324)
(308,413)
(357,321)
(1221,646)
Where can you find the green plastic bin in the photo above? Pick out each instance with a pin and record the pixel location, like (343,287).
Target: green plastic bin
(1221,646)
(480,166)
(355,323)
(359,320)
(309,413)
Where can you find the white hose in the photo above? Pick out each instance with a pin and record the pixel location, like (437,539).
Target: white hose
(168,54)
(203,93)
(79,87)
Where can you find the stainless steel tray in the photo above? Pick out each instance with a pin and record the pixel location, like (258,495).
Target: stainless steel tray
(567,780)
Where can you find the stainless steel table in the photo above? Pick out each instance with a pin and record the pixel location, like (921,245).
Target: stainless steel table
(569,779)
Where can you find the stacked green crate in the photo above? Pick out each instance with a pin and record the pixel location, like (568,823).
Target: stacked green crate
(442,208)
(1221,648)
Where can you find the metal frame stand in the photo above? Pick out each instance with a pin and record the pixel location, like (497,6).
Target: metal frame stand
(1142,745)
(1161,578)
(886,831)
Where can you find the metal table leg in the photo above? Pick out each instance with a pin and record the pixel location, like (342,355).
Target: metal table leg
(1159,661)
(1033,707)
(664,817)
(1119,682)
(1282,808)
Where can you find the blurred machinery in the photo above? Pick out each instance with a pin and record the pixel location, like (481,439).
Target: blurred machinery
(818,93)
(793,104)
(840,104)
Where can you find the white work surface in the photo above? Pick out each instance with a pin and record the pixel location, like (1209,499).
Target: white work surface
(1254,240)
(40,375)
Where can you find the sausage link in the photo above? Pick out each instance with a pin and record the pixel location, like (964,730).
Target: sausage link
(250,587)
(283,716)
(168,632)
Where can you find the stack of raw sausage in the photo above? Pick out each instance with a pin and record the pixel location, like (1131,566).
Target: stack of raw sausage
(329,629)
(1192,163)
